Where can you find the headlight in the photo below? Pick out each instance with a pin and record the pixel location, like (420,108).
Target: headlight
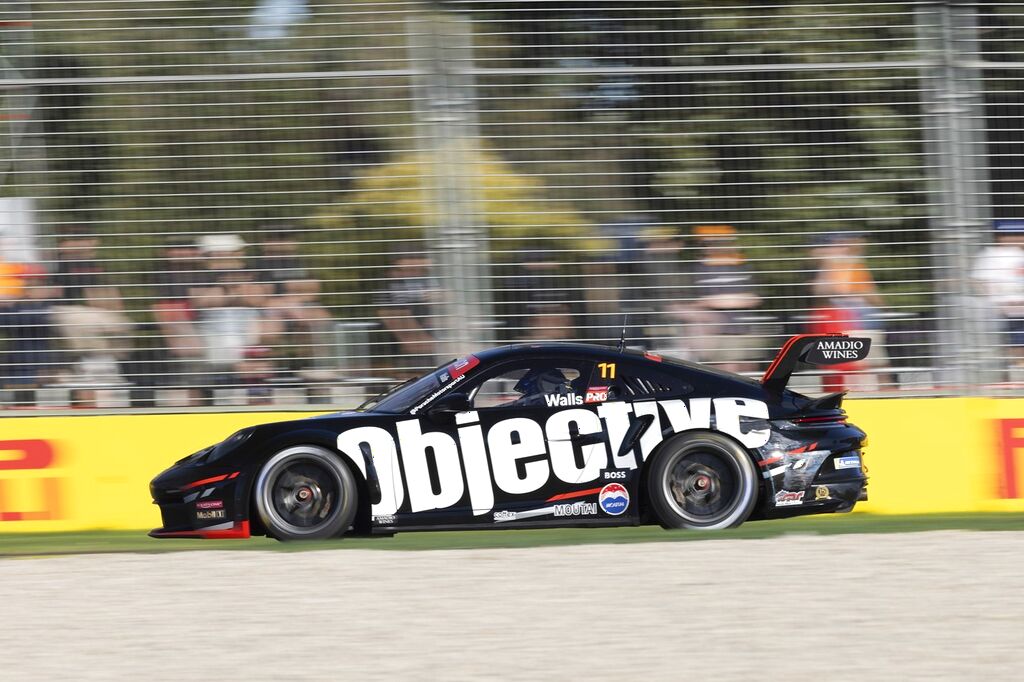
(228,444)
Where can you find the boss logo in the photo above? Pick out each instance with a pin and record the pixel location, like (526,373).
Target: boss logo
(518,456)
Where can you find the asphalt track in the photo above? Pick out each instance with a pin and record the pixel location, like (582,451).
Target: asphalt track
(938,605)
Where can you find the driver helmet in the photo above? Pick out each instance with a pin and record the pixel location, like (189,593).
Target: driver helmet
(549,380)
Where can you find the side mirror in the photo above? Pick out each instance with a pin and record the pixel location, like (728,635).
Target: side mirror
(451,404)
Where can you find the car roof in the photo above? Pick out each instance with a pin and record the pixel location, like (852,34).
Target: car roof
(590,351)
(519,350)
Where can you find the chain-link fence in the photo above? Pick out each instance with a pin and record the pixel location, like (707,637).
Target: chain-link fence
(296,202)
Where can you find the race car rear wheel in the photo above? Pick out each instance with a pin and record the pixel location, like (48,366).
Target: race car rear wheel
(305,492)
(702,481)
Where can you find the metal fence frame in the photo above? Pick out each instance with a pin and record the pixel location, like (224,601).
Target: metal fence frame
(443,77)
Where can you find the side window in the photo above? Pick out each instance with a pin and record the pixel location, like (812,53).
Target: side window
(538,383)
(626,381)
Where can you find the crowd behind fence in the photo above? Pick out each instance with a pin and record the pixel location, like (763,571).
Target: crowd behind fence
(298,203)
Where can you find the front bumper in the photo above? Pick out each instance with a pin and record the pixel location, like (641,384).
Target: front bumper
(227,531)
(197,502)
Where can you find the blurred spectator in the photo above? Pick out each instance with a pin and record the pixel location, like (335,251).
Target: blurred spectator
(234,319)
(999,276)
(627,285)
(599,290)
(406,309)
(27,361)
(662,265)
(178,270)
(726,292)
(279,259)
(238,332)
(542,303)
(12,279)
(849,304)
(306,323)
(178,280)
(659,284)
(221,254)
(273,18)
(96,334)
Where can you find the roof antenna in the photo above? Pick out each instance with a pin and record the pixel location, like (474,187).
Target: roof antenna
(622,336)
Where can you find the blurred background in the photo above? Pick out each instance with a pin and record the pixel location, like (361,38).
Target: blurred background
(270,203)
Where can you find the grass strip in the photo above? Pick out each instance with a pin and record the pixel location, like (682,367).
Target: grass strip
(103,541)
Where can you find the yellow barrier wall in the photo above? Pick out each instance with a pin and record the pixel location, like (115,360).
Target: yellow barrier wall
(930,455)
(101,466)
(73,473)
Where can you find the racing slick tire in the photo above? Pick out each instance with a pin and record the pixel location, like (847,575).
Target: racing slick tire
(702,481)
(305,492)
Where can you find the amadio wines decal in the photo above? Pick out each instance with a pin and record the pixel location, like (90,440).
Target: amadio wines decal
(832,351)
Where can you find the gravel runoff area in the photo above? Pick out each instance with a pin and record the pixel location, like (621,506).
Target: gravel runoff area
(938,605)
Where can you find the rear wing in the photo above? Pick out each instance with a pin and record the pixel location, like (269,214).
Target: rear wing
(808,350)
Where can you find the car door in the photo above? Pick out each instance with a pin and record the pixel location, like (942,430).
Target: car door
(542,439)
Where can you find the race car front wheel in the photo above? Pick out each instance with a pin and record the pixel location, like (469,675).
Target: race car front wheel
(305,492)
(702,481)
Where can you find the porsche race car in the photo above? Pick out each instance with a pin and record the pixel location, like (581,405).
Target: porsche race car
(539,435)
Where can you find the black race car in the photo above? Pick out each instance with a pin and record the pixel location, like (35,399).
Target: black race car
(531,436)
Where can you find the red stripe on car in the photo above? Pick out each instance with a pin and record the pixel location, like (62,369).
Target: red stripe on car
(204,481)
(578,493)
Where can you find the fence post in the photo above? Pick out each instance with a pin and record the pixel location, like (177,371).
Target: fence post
(455,229)
(954,110)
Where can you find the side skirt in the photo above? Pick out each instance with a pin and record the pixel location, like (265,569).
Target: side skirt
(511,525)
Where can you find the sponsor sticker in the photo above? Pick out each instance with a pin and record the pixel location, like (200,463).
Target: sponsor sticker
(838,350)
(613,499)
(438,393)
(504,516)
(210,504)
(786,498)
(850,462)
(612,475)
(206,515)
(822,493)
(463,365)
(576,509)
(563,400)
(596,394)
(384,519)
(422,468)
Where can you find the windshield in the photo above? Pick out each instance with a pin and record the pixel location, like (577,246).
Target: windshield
(413,394)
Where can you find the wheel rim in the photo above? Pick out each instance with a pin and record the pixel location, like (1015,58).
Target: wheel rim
(704,486)
(301,494)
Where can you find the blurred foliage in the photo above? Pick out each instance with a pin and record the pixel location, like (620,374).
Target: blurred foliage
(783,154)
(393,210)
